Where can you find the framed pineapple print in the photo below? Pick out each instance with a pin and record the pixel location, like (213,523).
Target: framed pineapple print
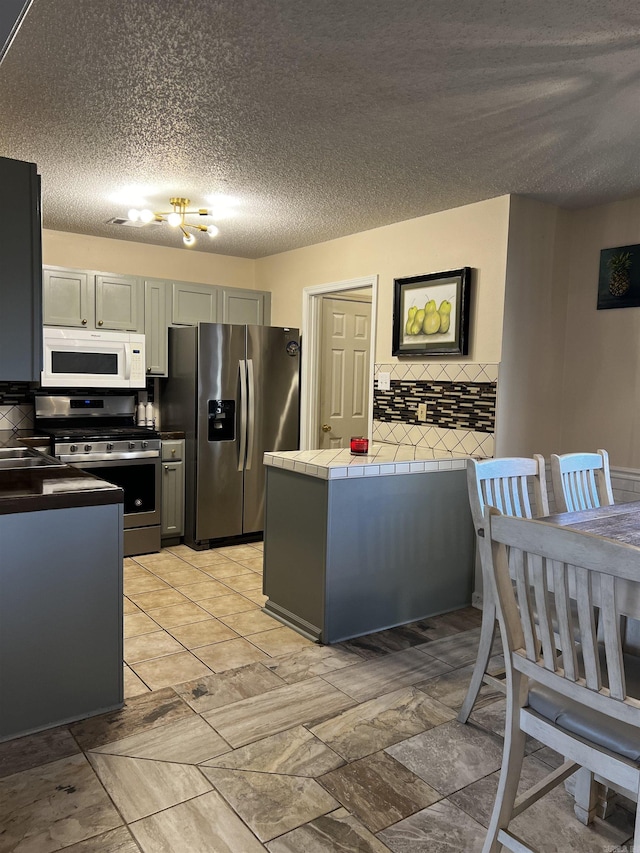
(619,279)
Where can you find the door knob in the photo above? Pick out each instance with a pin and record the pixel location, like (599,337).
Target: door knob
(326,428)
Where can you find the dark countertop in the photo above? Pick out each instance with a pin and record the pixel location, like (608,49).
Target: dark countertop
(171,434)
(55,487)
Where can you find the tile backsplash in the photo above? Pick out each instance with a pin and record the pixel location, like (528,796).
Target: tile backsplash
(16,405)
(460,401)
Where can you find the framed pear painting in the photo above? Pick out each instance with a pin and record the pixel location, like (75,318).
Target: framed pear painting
(431,314)
(619,278)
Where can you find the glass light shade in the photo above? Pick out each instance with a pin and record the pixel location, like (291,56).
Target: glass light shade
(134,214)
(146,215)
(174,219)
(212,231)
(188,239)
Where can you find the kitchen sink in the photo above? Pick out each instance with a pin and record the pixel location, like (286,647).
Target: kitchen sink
(24,457)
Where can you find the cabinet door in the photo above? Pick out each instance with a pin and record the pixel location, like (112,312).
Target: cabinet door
(156,322)
(193,304)
(252,307)
(172,498)
(68,298)
(20,273)
(119,303)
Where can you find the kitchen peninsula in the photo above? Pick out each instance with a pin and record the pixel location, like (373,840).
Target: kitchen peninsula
(356,544)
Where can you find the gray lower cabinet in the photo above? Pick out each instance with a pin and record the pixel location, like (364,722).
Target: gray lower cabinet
(92,300)
(193,304)
(251,307)
(157,311)
(60,616)
(351,556)
(20,272)
(172,488)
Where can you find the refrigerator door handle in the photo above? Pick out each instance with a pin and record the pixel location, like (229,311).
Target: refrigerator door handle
(251,413)
(243,414)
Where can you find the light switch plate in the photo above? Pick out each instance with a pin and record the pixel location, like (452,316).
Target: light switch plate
(384,381)
(422,411)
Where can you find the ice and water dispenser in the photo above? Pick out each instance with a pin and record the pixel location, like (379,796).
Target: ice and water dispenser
(222,420)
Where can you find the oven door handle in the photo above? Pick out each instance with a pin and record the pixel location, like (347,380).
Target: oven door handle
(243,414)
(127,361)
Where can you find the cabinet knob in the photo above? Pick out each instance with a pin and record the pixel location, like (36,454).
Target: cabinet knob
(166,467)
(84,322)
(100,322)
(173,451)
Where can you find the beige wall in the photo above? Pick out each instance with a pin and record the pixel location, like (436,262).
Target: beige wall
(602,358)
(474,236)
(80,251)
(529,411)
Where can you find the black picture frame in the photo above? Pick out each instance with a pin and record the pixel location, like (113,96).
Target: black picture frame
(621,289)
(435,337)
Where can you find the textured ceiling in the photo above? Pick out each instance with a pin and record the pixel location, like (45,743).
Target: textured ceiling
(321,118)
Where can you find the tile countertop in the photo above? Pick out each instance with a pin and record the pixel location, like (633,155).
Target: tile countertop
(55,487)
(381,460)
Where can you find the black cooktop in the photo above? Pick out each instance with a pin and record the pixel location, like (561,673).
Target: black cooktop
(95,432)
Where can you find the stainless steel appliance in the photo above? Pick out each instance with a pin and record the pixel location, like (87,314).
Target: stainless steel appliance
(98,434)
(234,392)
(84,358)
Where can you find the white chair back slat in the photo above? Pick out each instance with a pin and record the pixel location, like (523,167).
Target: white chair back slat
(518,572)
(538,577)
(581,481)
(588,634)
(612,634)
(564,616)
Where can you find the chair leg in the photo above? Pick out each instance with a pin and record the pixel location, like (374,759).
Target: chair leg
(487,635)
(587,796)
(513,756)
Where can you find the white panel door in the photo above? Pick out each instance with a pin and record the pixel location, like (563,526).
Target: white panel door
(344,371)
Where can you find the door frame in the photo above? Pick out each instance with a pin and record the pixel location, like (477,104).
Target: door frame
(310,368)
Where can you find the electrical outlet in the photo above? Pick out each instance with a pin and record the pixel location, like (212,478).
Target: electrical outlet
(422,412)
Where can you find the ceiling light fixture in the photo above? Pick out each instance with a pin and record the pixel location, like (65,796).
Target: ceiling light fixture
(176,218)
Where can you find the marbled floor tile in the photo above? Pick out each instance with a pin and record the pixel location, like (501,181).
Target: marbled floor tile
(138,623)
(129,607)
(381,722)
(260,716)
(256,564)
(225,568)
(140,787)
(270,803)
(170,570)
(223,688)
(170,669)
(159,598)
(237,552)
(549,824)
(224,605)
(250,622)
(160,562)
(279,641)
(229,654)
(492,717)
(23,753)
(451,687)
(202,633)
(148,646)
(311,660)
(188,741)
(441,828)
(459,649)
(147,583)
(372,678)
(208,588)
(460,620)
(116,841)
(178,614)
(246,581)
(257,596)
(295,752)
(338,832)
(53,806)
(205,824)
(205,559)
(379,790)
(139,714)
(451,756)
(185,576)
(133,685)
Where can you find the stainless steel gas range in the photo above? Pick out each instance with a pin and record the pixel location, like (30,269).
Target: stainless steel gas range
(98,434)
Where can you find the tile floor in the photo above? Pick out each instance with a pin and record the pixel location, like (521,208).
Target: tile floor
(238,735)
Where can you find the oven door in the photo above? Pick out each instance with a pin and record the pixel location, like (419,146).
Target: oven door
(140,481)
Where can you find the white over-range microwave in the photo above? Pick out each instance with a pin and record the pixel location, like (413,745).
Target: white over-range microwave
(83,358)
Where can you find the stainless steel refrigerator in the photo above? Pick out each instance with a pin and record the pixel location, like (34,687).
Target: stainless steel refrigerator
(234,391)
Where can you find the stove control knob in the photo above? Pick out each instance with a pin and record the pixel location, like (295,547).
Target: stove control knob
(132,445)
(87,448)
(145,444)
(73,448)
(109,446)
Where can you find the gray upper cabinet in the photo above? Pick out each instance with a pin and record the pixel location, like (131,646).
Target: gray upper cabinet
(244,306)
(93,300)
(193,304)
(157,310)
(20,273)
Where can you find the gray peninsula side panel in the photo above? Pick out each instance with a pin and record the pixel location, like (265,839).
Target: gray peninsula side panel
(399,548)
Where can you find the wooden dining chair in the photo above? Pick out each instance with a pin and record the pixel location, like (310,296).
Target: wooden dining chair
(577,702)
(581,481)
(516,486)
